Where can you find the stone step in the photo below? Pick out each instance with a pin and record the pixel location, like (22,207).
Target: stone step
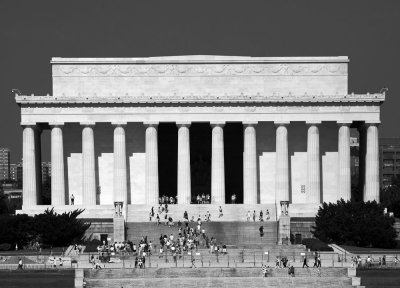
(239,282)
(140,212)
(229,233)
(210,272)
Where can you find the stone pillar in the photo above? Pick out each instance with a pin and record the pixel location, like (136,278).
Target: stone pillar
(57,165)
(371,191)
(151,180)
(120,175)
(250,164)
(344,173)
(281,163)
(218,164)
(184,185)
(313,187)
(30,192)
(88,165)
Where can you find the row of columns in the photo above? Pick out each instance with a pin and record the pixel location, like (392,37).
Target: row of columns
(313,184)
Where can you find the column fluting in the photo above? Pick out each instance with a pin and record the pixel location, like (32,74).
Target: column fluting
(88,166)
(29,167)
(371,192)
(313,165)
(281,163)
(344,173)
(151,180)
(184,184)
(250,164)
(120,174)
(218,164)
(57,166)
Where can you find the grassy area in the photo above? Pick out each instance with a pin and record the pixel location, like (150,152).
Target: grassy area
(37,278)
(54,251)
(365,250)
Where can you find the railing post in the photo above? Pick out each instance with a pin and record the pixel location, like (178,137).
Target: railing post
(254,255)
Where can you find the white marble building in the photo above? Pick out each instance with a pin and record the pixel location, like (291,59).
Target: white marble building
(104,115)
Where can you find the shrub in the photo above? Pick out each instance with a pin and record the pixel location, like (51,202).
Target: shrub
(362,223)
(316,245)
(5,247)
(49,228)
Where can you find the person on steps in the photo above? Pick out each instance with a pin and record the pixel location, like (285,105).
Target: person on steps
(305,262)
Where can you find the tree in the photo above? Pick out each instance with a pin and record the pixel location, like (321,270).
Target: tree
(355,223)
(390,196)
(49,228)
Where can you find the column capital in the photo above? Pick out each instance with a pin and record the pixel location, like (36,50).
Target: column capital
(372,123)
(26,124)
(183,124)
(281,123)
(217,123)
(119,124)
(88,123)
(250,123)
(151,123)
(56,124)
(344,123)
(313,122)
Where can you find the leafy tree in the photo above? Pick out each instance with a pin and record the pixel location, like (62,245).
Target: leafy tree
(48,228)
(355,223)
(60,229)
(390,196)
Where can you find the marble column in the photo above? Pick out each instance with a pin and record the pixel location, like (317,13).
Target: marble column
(151,178)
(57,165)
(281,163)
(313,187)
(250,164)
(344,173)
(184,184)
(29,166)
(217,164)
(371,191)
(88,165)
(120,174)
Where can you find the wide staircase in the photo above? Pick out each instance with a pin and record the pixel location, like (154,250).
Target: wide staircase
(216,277)
(239,234)
(231,212)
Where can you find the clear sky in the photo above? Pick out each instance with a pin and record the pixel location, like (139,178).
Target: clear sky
(31,32)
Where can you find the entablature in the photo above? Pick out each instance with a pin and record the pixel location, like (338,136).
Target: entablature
(206,99)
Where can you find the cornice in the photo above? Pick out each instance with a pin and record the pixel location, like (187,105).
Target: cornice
(207,99)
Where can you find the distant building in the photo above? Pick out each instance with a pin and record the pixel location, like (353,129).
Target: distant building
(46,178)
(389,160)
(13,172)
(4,164)
(19,175)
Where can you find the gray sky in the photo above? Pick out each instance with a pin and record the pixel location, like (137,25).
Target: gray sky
(31,32)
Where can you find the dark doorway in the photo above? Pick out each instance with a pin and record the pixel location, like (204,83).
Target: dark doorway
(298,239)
(233,146)
(167,159)
(200,159)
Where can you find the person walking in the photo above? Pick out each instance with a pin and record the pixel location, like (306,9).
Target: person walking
(72,199)
(305,262)
(20,264)
(220,212)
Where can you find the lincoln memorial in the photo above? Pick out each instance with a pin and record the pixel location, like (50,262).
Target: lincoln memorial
(271,130)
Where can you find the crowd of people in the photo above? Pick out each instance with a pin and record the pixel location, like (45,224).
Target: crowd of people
(253,216)
(356,261)
(190,239)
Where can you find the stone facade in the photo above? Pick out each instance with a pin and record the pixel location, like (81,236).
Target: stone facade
(104,116)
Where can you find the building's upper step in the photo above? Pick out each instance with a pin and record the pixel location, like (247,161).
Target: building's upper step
(230,212)
(201,59)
